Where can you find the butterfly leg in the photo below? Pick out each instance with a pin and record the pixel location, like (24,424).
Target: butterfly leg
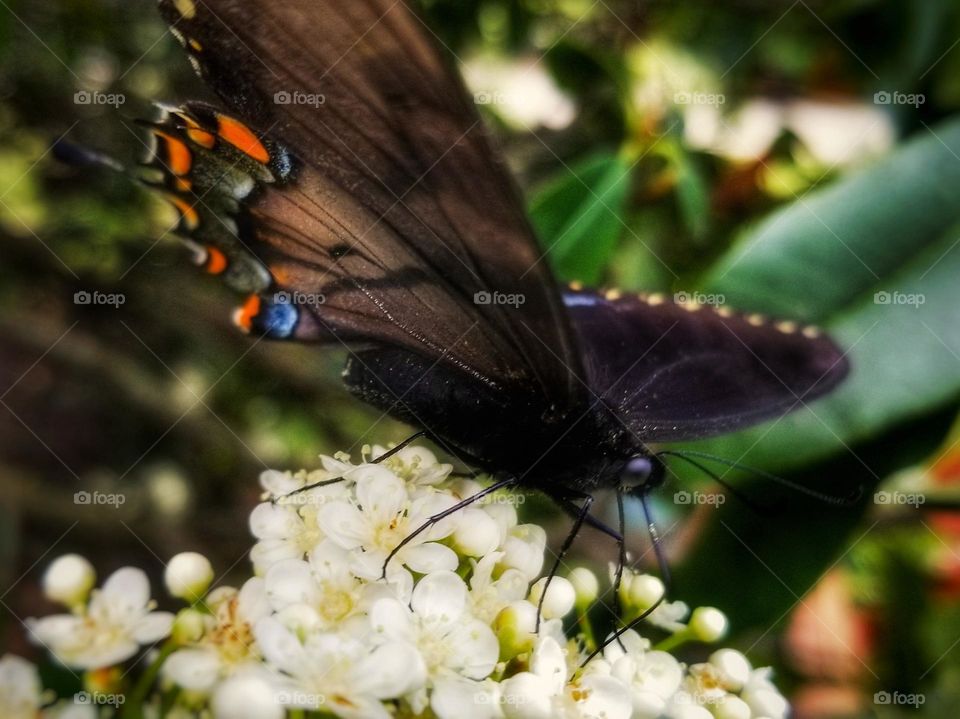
(500,484)
(390,452)
(581,514)
(386,455)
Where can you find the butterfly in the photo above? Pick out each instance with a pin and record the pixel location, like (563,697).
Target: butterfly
(348,186)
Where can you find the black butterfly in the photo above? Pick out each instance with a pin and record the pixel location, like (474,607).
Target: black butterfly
(349,185)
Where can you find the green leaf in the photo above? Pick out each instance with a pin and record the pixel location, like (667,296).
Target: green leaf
(580,216)
(828,248)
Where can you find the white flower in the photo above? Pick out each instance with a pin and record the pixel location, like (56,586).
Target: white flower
(380,516)
(763,697)
(20,690)
(488,596)
(459,698)
(322,592)
(226,645)
(338,672)
(110,628)
(477,533)
(437,623)
(653,677)
(733,667)
(69,579)
(523,549)
(543,692)
(585,585)
(416,465)
(188,576)
(246,696)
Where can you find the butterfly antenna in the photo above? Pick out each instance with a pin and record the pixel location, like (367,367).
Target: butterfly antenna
(722,482)
(795,486)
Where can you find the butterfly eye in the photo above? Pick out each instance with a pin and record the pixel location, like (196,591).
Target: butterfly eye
(637,472)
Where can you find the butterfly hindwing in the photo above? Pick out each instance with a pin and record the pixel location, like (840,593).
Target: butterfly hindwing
(681,371)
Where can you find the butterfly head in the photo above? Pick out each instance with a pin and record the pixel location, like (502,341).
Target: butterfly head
(641,474)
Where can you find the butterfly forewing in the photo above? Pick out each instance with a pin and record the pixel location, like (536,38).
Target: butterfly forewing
(397,219)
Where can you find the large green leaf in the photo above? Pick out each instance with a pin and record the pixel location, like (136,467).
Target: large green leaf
(580,216)
(827,249)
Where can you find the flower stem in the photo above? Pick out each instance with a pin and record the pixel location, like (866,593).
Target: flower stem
(133,706)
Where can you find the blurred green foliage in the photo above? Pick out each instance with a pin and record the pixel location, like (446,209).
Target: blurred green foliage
(163,400)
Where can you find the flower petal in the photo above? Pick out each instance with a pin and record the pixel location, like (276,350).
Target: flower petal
(429,558)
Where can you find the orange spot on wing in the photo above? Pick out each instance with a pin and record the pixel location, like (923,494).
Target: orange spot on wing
(241,137)
(179,157)
(243,317)
(187,212)
(201,137)
(216,261)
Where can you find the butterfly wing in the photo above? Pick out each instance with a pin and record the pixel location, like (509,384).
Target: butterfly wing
(681,371)
(390,213)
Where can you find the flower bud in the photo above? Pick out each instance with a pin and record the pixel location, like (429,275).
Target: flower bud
(559,600)
(708,624)
(188,626)
(731,707)
(188,576)
(477,533)
(733,668)
(643,591)
(585,586)
(515,626)
(69,579)
(766,702)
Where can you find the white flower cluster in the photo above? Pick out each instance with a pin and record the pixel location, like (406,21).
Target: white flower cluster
(448,632)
